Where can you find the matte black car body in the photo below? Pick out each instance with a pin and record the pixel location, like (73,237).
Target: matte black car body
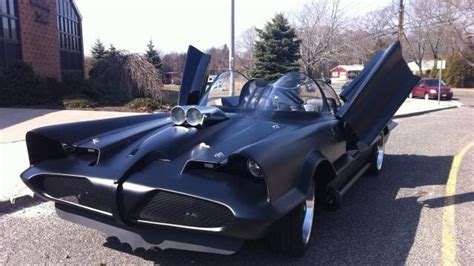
(153,183)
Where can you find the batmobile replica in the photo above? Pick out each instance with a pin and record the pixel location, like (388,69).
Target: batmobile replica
(236,160)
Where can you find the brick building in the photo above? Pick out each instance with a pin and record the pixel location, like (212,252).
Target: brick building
(45,33)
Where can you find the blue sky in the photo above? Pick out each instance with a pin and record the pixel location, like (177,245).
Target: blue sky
(174,24)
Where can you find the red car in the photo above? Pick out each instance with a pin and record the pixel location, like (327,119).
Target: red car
(428,89)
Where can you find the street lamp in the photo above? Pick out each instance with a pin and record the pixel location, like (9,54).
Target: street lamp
(231,50)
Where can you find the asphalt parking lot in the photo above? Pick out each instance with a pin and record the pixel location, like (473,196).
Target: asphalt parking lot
(419,210)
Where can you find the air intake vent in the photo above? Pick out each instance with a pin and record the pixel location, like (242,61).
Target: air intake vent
(75,190)
(172,208)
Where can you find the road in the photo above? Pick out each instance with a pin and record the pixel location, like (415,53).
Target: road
(419,210)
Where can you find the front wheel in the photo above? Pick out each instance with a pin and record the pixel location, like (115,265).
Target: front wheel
(292,233)
(427,96)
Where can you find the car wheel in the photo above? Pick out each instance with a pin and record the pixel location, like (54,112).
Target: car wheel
(291,234)
(427,96)
(376,162)
(410,95)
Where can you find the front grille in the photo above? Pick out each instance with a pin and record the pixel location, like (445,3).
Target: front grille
(172,208)
(76,190)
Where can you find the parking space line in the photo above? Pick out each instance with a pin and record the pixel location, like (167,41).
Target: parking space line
(448,241)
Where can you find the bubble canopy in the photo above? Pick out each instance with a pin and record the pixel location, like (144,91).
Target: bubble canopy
(293,91)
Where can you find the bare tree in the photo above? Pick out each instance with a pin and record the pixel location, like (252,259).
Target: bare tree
(461,27)
(219,59)
(173,62)
(245,50)
(380,27)
(439,27)
(417,32)
(319,24)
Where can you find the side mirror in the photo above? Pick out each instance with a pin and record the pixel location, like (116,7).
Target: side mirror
(421,85)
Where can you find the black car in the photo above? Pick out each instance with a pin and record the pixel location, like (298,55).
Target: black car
(244,159)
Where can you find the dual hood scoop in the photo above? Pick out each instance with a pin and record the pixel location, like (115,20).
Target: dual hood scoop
(197,115)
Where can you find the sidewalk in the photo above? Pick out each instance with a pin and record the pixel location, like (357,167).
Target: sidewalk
(14,123)
(413,107)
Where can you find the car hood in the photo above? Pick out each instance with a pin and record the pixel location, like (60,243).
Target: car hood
(130,145)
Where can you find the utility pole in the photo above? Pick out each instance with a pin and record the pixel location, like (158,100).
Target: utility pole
(401,11)
(231,49)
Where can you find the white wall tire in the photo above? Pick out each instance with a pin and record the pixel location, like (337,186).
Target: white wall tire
(377,159)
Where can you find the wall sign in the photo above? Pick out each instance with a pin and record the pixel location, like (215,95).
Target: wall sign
(42,11)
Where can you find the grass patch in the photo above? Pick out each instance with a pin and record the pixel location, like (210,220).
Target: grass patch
(78,101)
(144,104)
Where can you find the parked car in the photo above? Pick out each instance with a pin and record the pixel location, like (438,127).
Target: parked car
(428,89)
(218,170)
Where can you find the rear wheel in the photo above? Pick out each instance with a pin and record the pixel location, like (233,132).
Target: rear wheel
(376,162)
(410,95)
(292,233)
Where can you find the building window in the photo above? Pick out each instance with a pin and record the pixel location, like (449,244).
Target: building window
(70,40)
(9,37)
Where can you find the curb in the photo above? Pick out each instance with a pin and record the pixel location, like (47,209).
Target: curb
(11,205)
(424,112)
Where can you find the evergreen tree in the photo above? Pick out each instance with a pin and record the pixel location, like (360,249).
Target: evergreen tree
(98,51)
(153,56)
(458,72)
(112,51)
(277,50)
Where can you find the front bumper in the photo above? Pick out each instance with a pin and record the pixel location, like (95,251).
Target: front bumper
(444,95)
(221,206)
(145,236)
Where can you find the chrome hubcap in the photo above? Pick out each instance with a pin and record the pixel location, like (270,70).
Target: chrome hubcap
(308,214)
(380,154)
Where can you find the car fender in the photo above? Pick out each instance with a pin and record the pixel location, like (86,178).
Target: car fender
(318,167)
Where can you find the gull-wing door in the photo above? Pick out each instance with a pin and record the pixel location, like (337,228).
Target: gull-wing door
(194,76)
(375,95)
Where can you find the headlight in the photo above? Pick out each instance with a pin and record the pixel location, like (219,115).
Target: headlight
(194,117)
(433,91)
(254,168)
(178,115)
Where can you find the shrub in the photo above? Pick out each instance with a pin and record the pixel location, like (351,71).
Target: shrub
(103,93)
(129,75)
(144,104)
(78,101)
(19,85)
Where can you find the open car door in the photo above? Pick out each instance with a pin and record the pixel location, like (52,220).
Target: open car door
(375,95)
(194,76)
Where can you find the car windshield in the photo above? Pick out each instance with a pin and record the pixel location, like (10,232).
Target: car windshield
(293,91)
(434,82)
